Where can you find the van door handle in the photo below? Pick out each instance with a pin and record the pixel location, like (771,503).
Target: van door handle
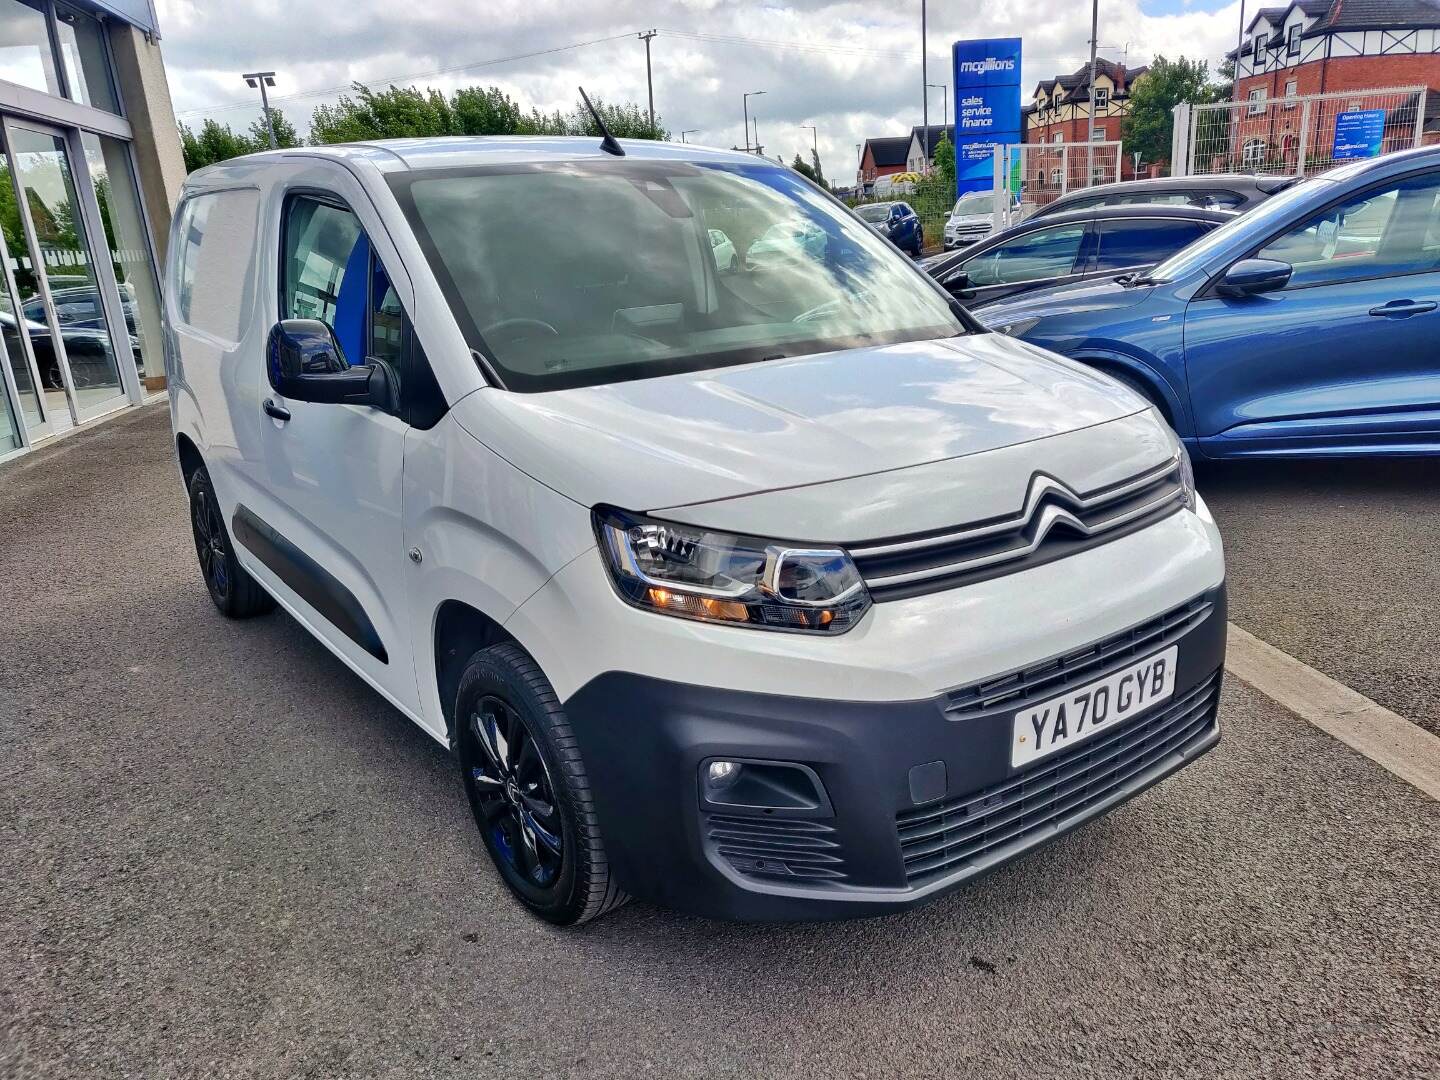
(1404,307)
(279,412)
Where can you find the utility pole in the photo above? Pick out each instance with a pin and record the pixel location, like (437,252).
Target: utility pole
(649,82)
(924,90)
(745,105)
(759,150)
(1090,138)
(814,148)
(687,131)
(263,79)
(1239,44)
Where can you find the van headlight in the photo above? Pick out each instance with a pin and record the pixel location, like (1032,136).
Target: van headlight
(719,577)
(1187,477)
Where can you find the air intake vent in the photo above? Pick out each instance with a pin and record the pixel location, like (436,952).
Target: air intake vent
(776,847)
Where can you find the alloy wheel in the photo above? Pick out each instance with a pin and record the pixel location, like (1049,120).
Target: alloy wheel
(512,794)
(210,543)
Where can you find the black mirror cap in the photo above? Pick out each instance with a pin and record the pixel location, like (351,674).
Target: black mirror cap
(958,281)
(1249,277)
(300,347)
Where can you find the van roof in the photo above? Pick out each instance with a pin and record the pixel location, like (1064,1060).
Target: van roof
(458,151)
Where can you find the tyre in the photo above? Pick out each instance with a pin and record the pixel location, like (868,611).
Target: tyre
(236,593)
(528,789)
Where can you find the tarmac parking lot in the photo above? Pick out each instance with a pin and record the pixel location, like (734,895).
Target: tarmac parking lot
(226,856)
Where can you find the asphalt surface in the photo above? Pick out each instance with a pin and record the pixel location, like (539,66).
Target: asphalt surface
(225,856)
(1336,564)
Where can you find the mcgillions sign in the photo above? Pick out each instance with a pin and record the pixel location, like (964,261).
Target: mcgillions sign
(987,108)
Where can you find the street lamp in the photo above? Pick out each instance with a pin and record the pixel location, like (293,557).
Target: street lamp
(745,105)
(262,79)
(814,147)
(687,131)
(944,89)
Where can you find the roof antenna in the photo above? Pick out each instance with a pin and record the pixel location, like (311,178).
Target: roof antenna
(608,143)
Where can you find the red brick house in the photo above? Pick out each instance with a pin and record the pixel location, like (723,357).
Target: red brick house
(1324,46)
(883,157)
(1059,112)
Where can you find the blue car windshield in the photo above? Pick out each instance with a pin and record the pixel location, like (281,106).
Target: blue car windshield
(579,273)
(1258,221)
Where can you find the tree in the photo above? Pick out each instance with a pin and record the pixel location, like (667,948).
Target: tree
(219,142)
(804,168)
(1147,128)
(394,113)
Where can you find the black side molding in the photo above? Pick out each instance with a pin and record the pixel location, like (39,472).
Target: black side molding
(312,582)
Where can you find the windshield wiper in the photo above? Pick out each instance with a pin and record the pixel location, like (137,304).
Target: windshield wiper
(1135,280)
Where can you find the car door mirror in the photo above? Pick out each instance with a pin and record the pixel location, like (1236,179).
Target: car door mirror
(305,363)
(1249,277)
(958,281)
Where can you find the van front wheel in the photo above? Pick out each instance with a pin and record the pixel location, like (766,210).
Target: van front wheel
(528,789)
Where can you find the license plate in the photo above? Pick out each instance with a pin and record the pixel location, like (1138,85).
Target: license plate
(1099,706)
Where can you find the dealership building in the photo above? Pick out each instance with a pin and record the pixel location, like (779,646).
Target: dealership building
(90,166)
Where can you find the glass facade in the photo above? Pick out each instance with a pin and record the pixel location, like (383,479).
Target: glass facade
(80,310)
(25,54)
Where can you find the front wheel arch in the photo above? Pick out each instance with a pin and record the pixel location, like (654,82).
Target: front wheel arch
(1143,381)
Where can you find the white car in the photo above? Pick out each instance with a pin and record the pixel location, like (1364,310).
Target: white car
(775,594)
(971,220)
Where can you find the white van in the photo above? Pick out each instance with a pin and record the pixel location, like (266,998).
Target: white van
(783,592)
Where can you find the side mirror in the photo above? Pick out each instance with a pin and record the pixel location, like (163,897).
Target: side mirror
(305,363)
(1249,277)
(957,281)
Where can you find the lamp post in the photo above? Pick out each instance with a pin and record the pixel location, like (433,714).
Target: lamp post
(944,89)
(687,131)
(745,105)
(262,79)
(814,147)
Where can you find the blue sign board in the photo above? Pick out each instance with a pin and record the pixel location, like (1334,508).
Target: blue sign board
(987,108)
(1358,134)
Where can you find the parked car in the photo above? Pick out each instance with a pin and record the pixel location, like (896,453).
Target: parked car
(1305,327)
(723,249)
(971,219)
(1220,191)
(1063,248)
(785,593)
(897,222)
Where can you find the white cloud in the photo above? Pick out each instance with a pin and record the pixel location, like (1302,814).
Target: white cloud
(858,76)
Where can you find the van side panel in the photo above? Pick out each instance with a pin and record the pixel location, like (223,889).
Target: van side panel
(487,534)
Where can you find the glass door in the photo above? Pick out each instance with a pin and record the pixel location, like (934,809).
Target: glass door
(60,301)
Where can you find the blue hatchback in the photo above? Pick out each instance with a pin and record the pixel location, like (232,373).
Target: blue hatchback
(1307,327)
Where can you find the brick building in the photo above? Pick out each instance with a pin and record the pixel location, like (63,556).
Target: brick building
(1060,110)
(1324,46)
(883,157)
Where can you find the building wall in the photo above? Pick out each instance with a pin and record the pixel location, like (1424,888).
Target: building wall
(1347,73)
(870,171)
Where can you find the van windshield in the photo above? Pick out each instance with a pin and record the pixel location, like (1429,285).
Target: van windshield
(565,274)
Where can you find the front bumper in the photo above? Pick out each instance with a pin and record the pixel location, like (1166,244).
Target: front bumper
(918,796)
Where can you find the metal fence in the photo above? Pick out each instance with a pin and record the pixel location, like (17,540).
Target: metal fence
(929,196)
(1034,174)
(1295,135)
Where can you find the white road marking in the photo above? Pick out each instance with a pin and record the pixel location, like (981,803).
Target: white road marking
(1386,738)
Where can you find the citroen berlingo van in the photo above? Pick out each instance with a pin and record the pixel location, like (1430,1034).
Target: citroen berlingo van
(765,588)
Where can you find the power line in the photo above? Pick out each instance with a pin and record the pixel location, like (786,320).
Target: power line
(323,91)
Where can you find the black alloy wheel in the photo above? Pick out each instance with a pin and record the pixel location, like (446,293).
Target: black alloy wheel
(235,592)
(511,793)
(528,788)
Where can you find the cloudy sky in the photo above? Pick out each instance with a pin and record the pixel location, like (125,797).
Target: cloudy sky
(852,69)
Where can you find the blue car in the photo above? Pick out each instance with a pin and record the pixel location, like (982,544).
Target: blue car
(897,222)
(1306,327)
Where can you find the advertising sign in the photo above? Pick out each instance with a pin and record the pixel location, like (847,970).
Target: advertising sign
(1359,134)
(987,108)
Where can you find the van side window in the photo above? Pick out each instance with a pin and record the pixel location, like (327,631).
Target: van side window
(214,259)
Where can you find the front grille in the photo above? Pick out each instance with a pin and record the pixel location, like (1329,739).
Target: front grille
(1054,522)
(948,836)
(777,847)
(1050,678)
